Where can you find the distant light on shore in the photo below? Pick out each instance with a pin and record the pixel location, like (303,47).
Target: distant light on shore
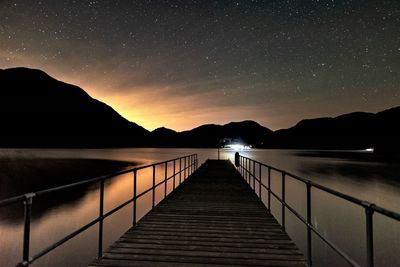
(237,147)
(371,149)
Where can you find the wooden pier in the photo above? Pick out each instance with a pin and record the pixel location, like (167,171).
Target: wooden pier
(214,218)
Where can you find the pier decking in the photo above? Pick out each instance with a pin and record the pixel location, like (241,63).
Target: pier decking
(214,218)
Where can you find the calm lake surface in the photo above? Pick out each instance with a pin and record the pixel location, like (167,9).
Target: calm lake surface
(355,173)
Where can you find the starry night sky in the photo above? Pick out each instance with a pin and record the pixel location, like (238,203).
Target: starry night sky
(181,64)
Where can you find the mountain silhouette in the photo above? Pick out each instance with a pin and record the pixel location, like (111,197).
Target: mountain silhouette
(212,135)
(164,137)
(358,130)
(36,110)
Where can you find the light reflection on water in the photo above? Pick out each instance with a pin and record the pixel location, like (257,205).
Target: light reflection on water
(343,223)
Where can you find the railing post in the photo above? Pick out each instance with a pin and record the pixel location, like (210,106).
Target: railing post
(101,213)
(180,170)
(27,228)
(369,212)
(248,170)
(254,176)
(269,189)
(309,223)
(259,182)
(165,179)
(283,200)
(184,168)
(245,169)
(174,176)
(243,172)
(134,196)
(154,184)
(241,165)
(191,164)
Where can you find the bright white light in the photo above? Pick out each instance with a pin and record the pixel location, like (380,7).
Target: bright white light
(371,149)
(237,147)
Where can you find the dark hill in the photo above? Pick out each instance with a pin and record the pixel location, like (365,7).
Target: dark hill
(212,135)
(164,137)
(357,130)
(38,111)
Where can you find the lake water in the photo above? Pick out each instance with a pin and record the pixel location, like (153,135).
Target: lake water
(355,173)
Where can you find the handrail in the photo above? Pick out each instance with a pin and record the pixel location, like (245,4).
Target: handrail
(184,171)
(247,168)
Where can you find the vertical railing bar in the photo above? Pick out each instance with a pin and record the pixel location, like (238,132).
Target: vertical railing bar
(180,170)
(241,165)
(27,228)
(245,168)
(369,212)
(101,213)
(259,181)
(269,189)
(191,164)
(254,176)
(247,171)
(154,184)
(134,196)
(184,172)
(283,199)
(165,179)
(174,176)
(309,223)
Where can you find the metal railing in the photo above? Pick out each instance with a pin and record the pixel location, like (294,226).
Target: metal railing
(187,165)
(248,168)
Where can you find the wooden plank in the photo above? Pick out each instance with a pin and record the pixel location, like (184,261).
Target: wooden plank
(211,248)
(208,244)
(214,218)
